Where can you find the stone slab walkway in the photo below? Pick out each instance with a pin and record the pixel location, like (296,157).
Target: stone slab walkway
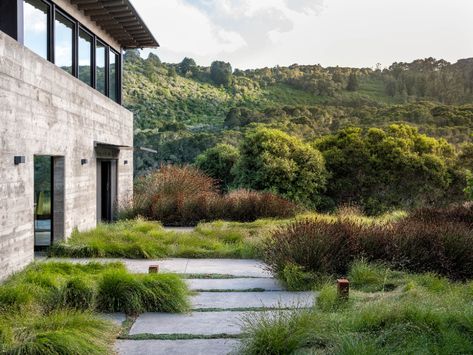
(218,309)
(233,267)
(240,284)
(239,300)
(230,291)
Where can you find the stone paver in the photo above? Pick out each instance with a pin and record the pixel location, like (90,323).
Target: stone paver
(177,347)
(267,284)
(234,267)
(203,323)
(197,323)
(232,300)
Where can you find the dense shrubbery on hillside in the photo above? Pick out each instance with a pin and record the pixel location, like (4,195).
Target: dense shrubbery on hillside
(391,168)
(182,110)
(376,169)
(272,160)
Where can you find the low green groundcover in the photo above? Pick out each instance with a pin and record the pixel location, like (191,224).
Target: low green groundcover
(388,312)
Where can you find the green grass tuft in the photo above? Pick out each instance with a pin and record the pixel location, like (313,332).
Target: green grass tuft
(58,332)
(48,308)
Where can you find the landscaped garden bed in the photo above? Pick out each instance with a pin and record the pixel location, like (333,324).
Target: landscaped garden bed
(388,312)
(52,307)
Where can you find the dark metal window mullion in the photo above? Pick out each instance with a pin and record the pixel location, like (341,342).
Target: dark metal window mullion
(107,71)
(92,60)
(120,77)
(75,49)
(52,20)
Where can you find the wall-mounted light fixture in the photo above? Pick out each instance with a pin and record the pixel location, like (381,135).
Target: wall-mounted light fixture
(19,159)
(83,161)
(125,162)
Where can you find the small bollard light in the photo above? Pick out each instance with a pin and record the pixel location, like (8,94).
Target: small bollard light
(343,288)
(153,269)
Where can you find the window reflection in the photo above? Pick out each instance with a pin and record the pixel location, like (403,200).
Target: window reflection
(42,200)
(85,57)
(101,64)
(36,27)
(63,39)
(113,74)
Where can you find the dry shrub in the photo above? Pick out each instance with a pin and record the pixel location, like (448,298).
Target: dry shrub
(444,247)
(318,246)
(246,206)
(458,213)
(175,194)
(184,195)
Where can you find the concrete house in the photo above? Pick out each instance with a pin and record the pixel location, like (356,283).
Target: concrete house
(66,143)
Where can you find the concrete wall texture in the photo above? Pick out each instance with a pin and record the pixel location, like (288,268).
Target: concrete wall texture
(45,111)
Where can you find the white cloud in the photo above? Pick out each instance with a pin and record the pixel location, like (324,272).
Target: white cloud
(257,33)
(183,29)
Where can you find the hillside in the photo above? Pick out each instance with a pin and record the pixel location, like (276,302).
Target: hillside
(180,110)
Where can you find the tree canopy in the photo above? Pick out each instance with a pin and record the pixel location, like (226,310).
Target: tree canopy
(385,168)
(221,73)
(275,161)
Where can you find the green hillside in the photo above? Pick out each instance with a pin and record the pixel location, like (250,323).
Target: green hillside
(183,109)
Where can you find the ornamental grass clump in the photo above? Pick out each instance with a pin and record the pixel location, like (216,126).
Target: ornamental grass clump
(49,308)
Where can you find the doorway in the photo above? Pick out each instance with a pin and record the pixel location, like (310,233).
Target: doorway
(106,189)
(43,201)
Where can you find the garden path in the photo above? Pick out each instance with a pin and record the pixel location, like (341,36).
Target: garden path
(236,290)
(226,291)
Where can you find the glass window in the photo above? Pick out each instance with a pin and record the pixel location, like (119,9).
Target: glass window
(101,64)
(63,39)
(36,26)
(85,57)
(42,200)
(113,76)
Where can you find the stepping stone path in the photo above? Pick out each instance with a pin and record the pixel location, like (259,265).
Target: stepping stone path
(238,289)
(226,291)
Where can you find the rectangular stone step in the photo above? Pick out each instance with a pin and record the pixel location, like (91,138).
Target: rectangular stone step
(241,300)
(266,284)
(177,347)
(234,267)
(196,323)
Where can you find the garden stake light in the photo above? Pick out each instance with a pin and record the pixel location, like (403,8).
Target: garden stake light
(153,269)
(343,288)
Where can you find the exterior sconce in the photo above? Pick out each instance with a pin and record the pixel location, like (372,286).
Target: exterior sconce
(125,162)
(83,161)
(19,159)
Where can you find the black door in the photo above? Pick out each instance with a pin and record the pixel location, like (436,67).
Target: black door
(106,190)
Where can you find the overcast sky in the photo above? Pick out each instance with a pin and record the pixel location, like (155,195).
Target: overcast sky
(260,33)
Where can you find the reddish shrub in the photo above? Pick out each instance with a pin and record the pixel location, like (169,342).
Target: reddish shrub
(321,247)
(245,206)
(184,195)
(461,213)
(415,244)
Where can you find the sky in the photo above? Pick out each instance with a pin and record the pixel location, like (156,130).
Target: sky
(265,33)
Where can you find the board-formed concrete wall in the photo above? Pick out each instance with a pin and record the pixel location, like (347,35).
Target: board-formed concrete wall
(45,111)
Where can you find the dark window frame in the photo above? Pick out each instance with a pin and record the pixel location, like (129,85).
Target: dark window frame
(92,53)
(77,26)
(105,47)
(117,73)
(75,39)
